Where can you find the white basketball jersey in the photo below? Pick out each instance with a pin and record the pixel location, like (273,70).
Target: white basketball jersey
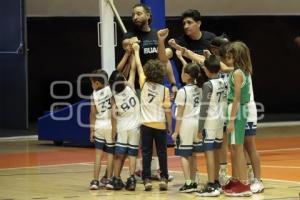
(225,77)
(190,97)
(152,98)
(128,110)
(215,119)
(102,99)
(252,116)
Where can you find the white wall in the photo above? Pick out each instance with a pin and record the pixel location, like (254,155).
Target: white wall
(173,7)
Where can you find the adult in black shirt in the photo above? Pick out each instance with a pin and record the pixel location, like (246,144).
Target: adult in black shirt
(193,38)
(147,37)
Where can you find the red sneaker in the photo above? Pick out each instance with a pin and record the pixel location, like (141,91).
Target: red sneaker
(232,182)
(238,190)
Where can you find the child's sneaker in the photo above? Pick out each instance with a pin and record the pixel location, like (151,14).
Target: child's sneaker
(118,183)
(194,186)
(257,186)
(230,183)
(103,181)
(147,184)
(223,178)
(131,183)
(109,183)
(250,173)
(138,176)
(94,185)
(209,191)
(239,190)
(155,175)
(218,186)
(163,184)
(187,188)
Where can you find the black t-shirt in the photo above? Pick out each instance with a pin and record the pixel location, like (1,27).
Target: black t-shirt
(148,44)
(197,46)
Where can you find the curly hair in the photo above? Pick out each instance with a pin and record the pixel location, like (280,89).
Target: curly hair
(154,71)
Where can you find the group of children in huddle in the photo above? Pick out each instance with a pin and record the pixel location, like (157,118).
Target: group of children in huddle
(217,91)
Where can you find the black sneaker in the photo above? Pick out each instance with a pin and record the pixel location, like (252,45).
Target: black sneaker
(109,183)
(94,185)
(163,184)
(218,186)
(209,191)
(147,184)
(186,188)
(118,183)
(195,186)
(131,183)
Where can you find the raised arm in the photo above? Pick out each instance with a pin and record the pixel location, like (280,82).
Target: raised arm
(132,72)
(161,49)
(128,50)
(139,67)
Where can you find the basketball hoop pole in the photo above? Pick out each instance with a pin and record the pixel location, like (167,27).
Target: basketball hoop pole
(119,20)
(107,36)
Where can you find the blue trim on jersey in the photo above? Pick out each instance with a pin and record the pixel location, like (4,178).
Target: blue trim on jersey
(250,129)
(198,147)
(184,152)
(109,149)
(126,150)
(99,145)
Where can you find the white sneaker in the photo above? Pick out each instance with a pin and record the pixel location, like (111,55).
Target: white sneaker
(223,178)
(250,174)
(257,186)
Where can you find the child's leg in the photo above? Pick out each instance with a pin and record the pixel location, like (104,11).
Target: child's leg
(133,148)
(240,162)
(110,164)
(132,164)
(210,165)
(223,151)
(186,163)
(97,164)
(217,165)
(160,137)
(253,155)
(193,167)
(147,142)
(118,164)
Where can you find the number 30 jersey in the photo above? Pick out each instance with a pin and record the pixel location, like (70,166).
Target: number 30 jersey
(103,105)
(190,97)
(152,100)
(128,109)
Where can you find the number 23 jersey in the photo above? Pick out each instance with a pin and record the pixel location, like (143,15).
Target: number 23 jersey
(102,100)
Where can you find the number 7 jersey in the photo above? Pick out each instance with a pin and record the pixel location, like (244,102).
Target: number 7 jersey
(152,103)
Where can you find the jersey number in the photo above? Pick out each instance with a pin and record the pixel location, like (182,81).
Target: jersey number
(127,105)
(105,105)
(196,102)
(152,96)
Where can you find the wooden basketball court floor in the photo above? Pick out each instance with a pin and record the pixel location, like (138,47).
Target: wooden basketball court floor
(32,169)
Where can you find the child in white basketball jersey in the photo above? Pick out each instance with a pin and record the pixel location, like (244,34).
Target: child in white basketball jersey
(187,115)
(211,122)
(100,124)
(126,112)
(155,113)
